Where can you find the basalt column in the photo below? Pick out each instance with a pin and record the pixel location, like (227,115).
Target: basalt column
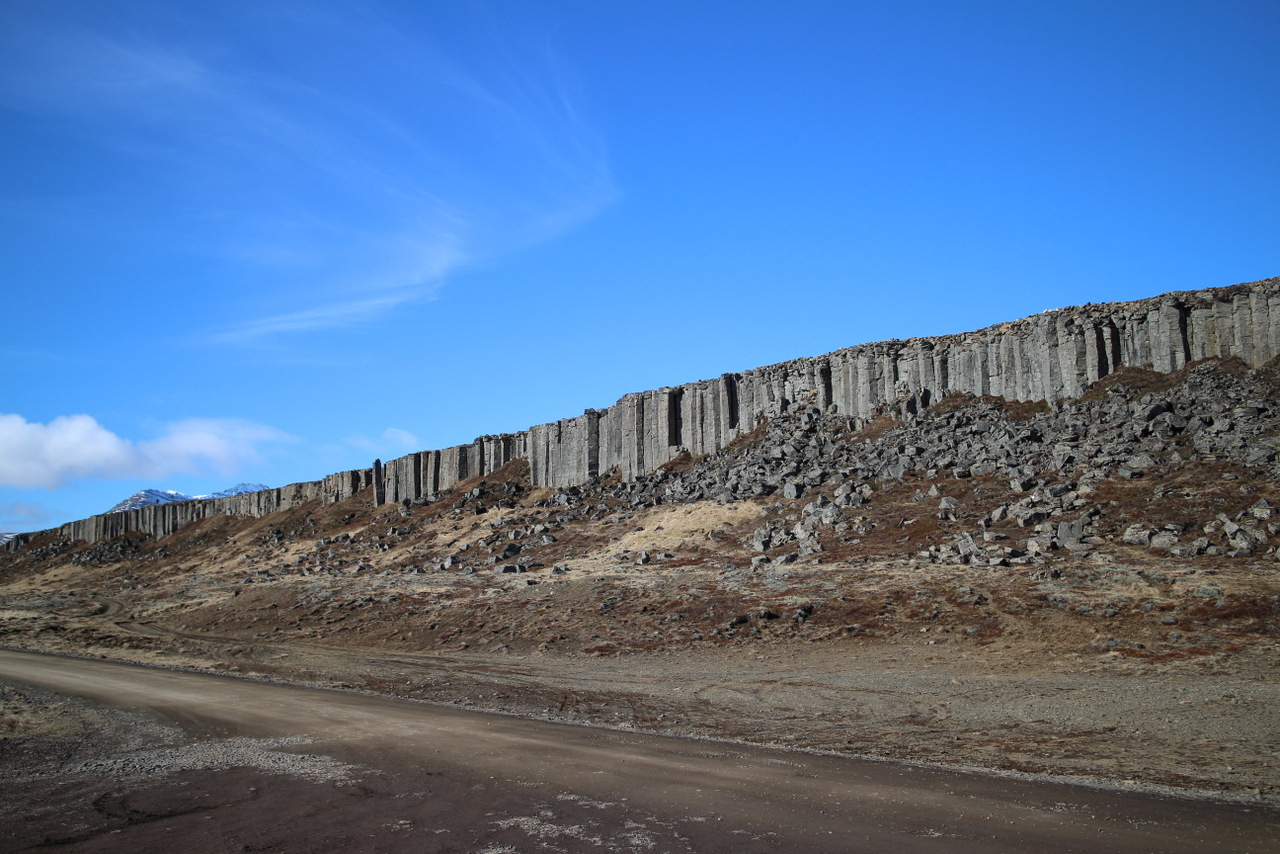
(379,488)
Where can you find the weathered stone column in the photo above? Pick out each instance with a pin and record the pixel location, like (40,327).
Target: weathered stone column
(379,488)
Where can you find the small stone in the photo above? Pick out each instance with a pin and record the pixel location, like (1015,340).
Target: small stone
(1136,535)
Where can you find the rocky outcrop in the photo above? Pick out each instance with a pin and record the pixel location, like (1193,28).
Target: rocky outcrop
(1051,356)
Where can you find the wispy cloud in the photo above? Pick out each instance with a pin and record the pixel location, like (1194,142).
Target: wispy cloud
(393,441)
(320,317)
(23,515)
(350,186)
(77,447)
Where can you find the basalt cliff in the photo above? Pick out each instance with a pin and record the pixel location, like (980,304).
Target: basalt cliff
(1052,356)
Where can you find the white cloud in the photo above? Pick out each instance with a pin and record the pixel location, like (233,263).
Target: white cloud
(77,447)
(401,438)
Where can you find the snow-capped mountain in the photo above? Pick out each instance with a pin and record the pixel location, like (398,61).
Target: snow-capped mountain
(149,496)
(238,489)
(156,496)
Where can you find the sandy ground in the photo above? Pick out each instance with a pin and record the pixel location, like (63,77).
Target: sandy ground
(183,761)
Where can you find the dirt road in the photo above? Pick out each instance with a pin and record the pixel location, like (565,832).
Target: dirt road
(248,765)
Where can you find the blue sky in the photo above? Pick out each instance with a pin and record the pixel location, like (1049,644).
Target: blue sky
(264,241)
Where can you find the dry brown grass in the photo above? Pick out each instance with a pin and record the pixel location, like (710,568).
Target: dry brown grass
(1141,380)
(681,463)
(516,471)
(1020,410)
(1014,410)
(751,438)
(876,428)
(674,527)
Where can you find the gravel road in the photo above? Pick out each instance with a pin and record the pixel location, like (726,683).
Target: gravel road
(140,759)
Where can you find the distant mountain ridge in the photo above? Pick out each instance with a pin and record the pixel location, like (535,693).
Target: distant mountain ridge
(147,497)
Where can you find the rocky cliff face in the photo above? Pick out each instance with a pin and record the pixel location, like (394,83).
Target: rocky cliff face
(1050,357)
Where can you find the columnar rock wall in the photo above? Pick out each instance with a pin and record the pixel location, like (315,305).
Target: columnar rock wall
(413,476)
(1051,356)
(426,473)
(163,519)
